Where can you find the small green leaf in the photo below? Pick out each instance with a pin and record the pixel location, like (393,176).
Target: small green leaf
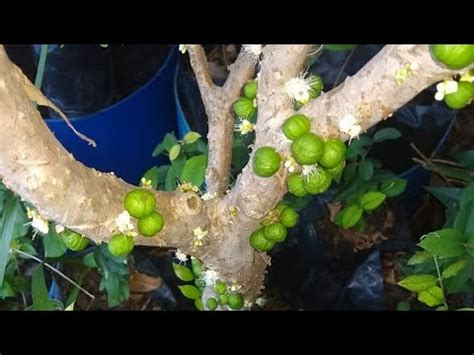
(419,258)
(403,306)
(386,134)
(190,292)
(417,283)
(371,200)
(89,260)
(170,182)
(445,242)
(39,291)
(183,273)
(6,232)
(177,166)
(54,246)
(431,297)
(464,220)
(194,170)
(174,151)
(352,215)
(191,137)
(152,175)
(166,144)
(366,170)
(349,171)
(453,269)
(393,187)
(339,47)
(448,196)
(196,266)
(357,147)
(466,158)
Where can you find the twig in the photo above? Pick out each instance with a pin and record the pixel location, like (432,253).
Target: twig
(52,268)
(447,162)
(346,62)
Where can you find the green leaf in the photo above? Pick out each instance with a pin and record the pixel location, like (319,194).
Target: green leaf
(465,309)
(386,134)
(174,151)
(357,145)
(351,216)
(349,171)
(454,269)
(466,158)
(417,283)
(6,231)
(190,292)
(371,200)
(89,260)
(448,196)
(445,242)
(191,137)
(464,221)
(339,47)
(393,187)
(178,165)
(75,291)
(6,290)
(54,246)
(170,182)
(419,258)
(39,291)
(152,175)
(183,273)
(431,297)
(194,170)
(403,306)
(198,304)
(169,141)
(366,170)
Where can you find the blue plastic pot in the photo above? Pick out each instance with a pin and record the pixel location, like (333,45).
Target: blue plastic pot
(127,132)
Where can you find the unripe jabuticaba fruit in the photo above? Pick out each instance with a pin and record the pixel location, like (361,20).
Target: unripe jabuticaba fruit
(74,241)
(454,56)
(280,207)
(211,304)
(250,89)
(337,169)
(244,107)
(275,232)
(223,299)
(259,242)
(296,126)
(334,153)
(462,97)
(150,225)
(296,186)
(289,217)
(316,85)
(120,245)
(266,161)
(220,287)
(307,149)
(196,267)
(235,301)
(140,203)
(317,182)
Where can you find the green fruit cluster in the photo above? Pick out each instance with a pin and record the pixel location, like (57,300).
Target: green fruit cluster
(462,97)
(233,300)
(244,106)
(454,56)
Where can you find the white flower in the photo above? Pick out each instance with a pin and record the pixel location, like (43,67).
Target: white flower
(350,126)
(208,196)
(245,126)
(145,182)
(308,170)
(59,228)
(290,165)
(199,235)
(253,49)
(183,48)
(210,277)
(187,187)
(235,287)
(247,304)
(37,221)
(444,88)
(298,89)
(123,222)
(261,301)
(182,257)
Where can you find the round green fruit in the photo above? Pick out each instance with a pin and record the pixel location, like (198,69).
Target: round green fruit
(74,241)
(140,203)
(454,56)
(250,89)
(120,245)
(462,97)
(275,232)
(266,161)
(259,242)
(220,287)
(151,224)
(316,85)
(223,299)
(280,207)
(196,267)
(337,169)
(211,304)
(296,186)
(235,301)
(296,126)
(334,153)
(289,217)
(307,149)
(317,182)
(244,107)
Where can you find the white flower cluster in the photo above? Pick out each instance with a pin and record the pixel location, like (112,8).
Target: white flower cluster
(298,89)
(37,221)
(245,126)
(253,49)
(444,88)
(350,126)
(124,224)
(199,235)
(182,257)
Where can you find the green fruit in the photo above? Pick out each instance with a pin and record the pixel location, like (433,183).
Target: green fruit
(235,301)
(317,182)
(259,242)
(316,85)
(223,299)
(307,149)
(280,207)
(296,126)
(140,203)
(250,89)
(211,304)
(275,232)
(462,97)
(266,161)
(244,107)
(337,169)
(151,225)
(454,56)
(120,245)
(334,153)
(220,287)
(296,186)
(74,241)
(289,217)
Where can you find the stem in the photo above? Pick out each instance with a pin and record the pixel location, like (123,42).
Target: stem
(440,279)
(52,268)
(41,66)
